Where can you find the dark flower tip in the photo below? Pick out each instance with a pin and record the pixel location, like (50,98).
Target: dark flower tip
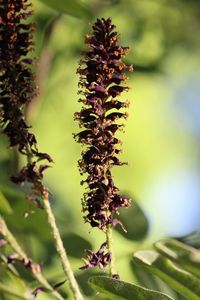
(102,77)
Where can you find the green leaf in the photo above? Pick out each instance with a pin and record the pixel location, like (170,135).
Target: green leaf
(11,192)
(74,8)
(120,290)
(4,204)
(151,281)
(73,239)
(187,256)
(176,277)
(139,229)
(192,239)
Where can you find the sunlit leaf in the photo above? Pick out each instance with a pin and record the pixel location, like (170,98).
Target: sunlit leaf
(187,256)
(75,8)
(176,277)
(192,239)
(117,289)
(82,279)
(151,281)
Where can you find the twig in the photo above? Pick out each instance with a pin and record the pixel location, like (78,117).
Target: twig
(57,238)
(109,239)
(61,250)
(36,272)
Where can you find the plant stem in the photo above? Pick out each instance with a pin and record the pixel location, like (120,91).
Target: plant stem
(110,249)
(8,236)
(61,250)
(57,238)
(9,291)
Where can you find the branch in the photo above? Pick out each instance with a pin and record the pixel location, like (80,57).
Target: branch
(36,272)
(61,250)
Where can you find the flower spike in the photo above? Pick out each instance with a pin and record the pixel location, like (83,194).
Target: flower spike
(17,89)
(102,74)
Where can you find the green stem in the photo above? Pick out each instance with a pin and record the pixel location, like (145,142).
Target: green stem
(9,291)
(61,250)
(58,241)
(110,249)
(8,236)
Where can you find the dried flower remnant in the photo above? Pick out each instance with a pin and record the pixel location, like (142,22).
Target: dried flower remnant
(2,243)
(27,263)
(100,258)
(17,88)
(40,289)
(102,74)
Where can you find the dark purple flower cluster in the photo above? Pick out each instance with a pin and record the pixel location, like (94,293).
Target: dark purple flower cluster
(102,74)
(100,258)
(17,88)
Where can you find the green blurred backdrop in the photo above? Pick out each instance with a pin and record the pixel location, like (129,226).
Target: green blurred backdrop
(160,143)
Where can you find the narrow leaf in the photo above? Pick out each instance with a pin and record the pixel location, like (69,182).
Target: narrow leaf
(120,290)
(187,256)
(4,204)
(74,8)
(192,239)
(179,279)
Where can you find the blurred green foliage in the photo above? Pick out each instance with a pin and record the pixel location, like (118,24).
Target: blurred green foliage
(163,36)
(176,264)
(119,290)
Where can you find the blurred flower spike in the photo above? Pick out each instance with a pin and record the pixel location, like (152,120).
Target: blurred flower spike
(17,88)
(102,74)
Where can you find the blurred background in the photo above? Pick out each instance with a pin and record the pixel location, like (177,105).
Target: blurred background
(161,142)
